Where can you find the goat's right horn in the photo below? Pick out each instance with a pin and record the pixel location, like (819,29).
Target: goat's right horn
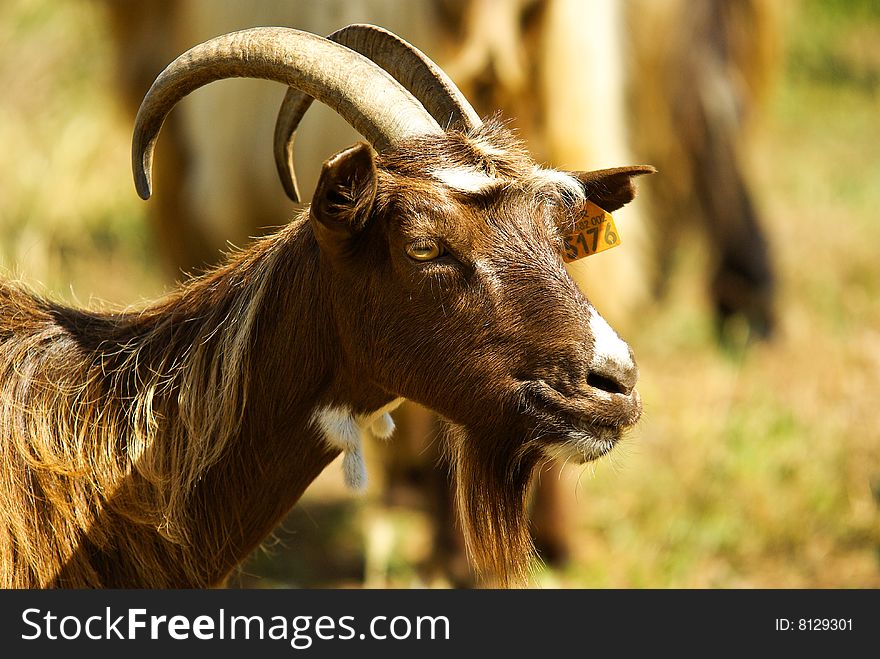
(366,96)
(409,66)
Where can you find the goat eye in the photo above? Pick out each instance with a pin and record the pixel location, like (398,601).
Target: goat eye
(424,250)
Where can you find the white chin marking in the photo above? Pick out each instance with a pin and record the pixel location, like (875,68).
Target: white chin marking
(346,431)
(609,349)
(583,447)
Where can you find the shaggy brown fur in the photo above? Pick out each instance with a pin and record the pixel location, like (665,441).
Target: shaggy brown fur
(158,448)
(141,448)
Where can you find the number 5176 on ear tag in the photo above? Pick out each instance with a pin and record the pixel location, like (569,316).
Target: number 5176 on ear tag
(594,232)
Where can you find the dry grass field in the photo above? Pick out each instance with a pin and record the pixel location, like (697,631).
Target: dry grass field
(754,466)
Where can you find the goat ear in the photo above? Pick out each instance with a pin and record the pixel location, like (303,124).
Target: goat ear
(344,195)
(611,189)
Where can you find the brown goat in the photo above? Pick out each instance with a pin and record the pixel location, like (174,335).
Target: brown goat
(158,447)
(545,63)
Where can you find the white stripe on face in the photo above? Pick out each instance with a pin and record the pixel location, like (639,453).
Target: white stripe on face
(485,148)
(464,179)
(562,180)
(610,353)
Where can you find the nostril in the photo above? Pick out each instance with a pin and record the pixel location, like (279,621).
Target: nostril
(605,383)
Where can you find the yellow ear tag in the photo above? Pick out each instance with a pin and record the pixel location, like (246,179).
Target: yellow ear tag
(594,232)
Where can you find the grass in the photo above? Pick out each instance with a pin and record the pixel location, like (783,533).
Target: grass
(752,468)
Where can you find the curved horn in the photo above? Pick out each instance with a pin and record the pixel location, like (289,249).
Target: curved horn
(409,66)
(367,97)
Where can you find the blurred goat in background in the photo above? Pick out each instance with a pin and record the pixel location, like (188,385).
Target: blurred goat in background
(700,77)
(587,85)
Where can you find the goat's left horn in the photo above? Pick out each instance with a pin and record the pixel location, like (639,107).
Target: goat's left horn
(364,94)
(406,63)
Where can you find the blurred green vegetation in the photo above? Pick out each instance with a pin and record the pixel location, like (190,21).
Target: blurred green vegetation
(757,467)
(760,468)
(836,44)
(69,220)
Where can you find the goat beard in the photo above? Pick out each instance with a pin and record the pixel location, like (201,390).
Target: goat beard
(492,481)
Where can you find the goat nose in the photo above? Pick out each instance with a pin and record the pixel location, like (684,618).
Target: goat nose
(615,378)
(612,367)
